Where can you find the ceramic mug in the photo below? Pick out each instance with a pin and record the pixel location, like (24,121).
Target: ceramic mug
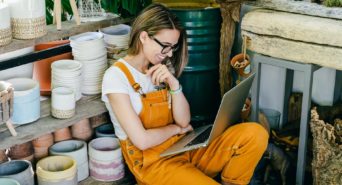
(63,102)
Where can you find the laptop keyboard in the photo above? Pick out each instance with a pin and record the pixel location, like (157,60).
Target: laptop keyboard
(200,138)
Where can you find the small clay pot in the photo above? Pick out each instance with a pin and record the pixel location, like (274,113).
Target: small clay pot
(41,152)
(3,156)
(98,120)
(240,63)
(82,130)
(62,134)
(43,141)
(21,151)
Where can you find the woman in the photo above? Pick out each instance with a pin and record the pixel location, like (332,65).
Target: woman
(150,112)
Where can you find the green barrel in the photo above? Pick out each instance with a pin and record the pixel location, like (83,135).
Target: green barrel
(200,79)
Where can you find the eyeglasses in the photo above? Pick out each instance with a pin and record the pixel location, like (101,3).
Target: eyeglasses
(166,48)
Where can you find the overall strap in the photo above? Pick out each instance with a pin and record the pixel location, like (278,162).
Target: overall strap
(129,76)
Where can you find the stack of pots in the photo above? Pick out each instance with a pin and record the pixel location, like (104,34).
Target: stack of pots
(27,18)
(5,25)
(89,49)
(57,170)
(20,170)
(26,106)
(22,151)
(67,73)
(116,39)
(41,145)
(78,151)
(105,159)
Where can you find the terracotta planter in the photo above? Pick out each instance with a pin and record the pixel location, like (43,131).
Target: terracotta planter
(62,134)
(41,145)
(98,120)
(240,63)
(43,141)
(42,68)
(21,151)
(82,130)
(3,156)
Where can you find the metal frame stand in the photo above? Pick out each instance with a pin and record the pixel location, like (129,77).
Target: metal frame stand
(290,66)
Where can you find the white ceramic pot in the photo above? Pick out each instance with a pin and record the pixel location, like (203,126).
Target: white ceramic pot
(26,101)
(63,102)
(27,18)
(78,151)
(5,25)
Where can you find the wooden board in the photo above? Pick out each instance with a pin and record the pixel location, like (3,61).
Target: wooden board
(299,7)
(292,26)
(326,56)
(87,107)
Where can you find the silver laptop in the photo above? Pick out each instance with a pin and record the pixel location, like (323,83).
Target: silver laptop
(228,113)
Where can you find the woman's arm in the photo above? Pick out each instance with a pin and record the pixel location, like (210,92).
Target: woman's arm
(180,106)
(132,125)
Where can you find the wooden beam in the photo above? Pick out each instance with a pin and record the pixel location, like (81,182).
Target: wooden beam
(300,7)
(302,52)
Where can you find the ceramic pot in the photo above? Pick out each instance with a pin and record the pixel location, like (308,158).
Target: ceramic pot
(21,150)
(105,130)
(41,145)
(42,68)
(105,159)
(241,64)
(20,170)
(5,25)
(63,102)
(82,130)
(8,181)
(78,151)
(57,170)
(27,18)
(26,105)
(3,156)
(62,134)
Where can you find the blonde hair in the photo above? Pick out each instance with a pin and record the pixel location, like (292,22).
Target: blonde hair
(153,19)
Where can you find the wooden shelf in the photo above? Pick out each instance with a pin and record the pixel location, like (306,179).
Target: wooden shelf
(69,28)
(127,180)
(300,7)
(87,107)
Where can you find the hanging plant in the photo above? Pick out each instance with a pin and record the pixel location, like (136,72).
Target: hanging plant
(125,8)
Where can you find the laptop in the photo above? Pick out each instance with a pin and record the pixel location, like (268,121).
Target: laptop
(228,114)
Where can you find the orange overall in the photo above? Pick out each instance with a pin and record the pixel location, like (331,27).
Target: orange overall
(235,153)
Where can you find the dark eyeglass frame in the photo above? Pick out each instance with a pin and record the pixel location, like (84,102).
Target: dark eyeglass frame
(165,48)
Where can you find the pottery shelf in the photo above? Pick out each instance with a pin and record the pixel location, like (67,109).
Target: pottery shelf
(87,107)
(69,28)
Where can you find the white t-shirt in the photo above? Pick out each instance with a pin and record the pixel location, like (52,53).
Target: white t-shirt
(115,81)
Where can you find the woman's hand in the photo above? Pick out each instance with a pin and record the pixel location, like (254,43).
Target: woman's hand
(160,73)
(186,129)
